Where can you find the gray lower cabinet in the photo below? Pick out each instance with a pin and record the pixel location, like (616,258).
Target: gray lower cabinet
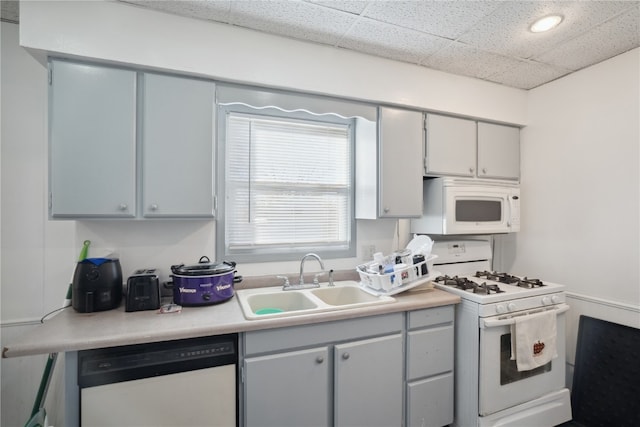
(288,389)
(368,382)
(127,144)
(345,373)
(430,347)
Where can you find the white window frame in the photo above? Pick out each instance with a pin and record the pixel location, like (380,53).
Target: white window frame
(278,252)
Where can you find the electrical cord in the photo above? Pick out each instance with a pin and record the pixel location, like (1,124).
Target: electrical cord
(43,318)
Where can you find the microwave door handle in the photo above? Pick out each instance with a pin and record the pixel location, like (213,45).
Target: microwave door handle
(511,319)
(510,204)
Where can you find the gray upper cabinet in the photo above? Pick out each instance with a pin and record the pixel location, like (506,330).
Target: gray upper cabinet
(450,146)
(92,151)
(176,129)
(400,179)
(125,144)
(466,148)
(498,151)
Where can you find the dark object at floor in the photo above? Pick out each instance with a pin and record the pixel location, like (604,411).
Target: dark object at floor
(606,379)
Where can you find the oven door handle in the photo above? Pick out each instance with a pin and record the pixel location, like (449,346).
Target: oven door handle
(510,319)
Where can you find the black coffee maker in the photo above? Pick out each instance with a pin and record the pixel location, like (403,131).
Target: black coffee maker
(97,285)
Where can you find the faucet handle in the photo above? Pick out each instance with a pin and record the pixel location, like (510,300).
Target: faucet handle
(315,277)
(286,280)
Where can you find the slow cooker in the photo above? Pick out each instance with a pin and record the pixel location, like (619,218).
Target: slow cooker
(204,283)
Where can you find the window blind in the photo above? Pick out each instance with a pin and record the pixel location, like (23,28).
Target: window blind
(288,183)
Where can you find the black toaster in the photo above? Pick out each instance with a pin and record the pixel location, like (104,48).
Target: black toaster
(143,291)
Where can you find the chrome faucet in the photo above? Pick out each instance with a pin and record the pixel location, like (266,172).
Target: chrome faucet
(310,255)
(301,285)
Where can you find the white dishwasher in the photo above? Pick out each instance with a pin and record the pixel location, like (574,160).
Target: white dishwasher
(190,382)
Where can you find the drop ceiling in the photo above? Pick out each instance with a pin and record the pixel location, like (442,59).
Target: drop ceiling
(488,40)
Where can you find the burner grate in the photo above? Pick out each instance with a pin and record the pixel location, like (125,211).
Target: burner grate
(510,279)
(469,285)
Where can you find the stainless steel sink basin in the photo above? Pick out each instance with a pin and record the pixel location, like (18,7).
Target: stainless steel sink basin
(264,303)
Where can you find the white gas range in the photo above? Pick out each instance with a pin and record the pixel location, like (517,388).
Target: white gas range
(489,388)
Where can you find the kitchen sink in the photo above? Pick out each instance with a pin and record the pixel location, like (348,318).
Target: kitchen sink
(344,295)
(279,302)
(265,303)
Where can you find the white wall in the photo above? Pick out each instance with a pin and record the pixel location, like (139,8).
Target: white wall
(581,192)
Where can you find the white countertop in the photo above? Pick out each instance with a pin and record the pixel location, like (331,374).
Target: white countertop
(70,331)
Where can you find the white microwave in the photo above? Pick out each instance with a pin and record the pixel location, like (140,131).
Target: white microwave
(468,206)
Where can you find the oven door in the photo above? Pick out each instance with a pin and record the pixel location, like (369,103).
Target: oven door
(501,385)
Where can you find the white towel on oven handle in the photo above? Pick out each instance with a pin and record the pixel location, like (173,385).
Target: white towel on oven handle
(533,340)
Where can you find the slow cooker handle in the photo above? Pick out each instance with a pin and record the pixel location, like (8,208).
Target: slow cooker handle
(237,279)
(202,258)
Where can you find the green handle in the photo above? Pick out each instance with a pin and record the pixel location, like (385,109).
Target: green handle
(84,250)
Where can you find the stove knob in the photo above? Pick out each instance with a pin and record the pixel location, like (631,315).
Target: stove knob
(511,306)
(501,308)
(555,299)
(546,300)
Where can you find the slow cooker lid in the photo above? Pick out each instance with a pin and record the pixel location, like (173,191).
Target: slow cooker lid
(204,267)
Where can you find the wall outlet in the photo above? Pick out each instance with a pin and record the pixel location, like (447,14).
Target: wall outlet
(367,252)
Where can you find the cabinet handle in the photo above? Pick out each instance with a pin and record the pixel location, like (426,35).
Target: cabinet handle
(471,170)
(386,210)
(345,356)
(319,359)
(122,206)
(154,207)
(484,170)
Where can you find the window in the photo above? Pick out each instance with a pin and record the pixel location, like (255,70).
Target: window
(286,177)
(287,186)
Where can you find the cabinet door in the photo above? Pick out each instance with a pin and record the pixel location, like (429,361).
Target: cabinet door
(368,382)
(430,402)
(287,389)
(92,113)
(177,147)
(450,146)
(498,151)
(429,351)
(400,165)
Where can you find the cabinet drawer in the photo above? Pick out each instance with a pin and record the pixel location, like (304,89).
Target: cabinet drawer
(430,317)
(430,402)
(429,352)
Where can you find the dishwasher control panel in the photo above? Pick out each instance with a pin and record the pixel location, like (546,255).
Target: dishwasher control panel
(117,364)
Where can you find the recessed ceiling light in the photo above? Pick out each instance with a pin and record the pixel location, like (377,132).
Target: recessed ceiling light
(546,23)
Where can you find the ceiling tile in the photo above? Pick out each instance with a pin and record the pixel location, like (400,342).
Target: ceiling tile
(214,10)
(609,39)
(351,6)
(442,18)
(459,58)
(301,20)
(527,75)
(506,31)
(381,39)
